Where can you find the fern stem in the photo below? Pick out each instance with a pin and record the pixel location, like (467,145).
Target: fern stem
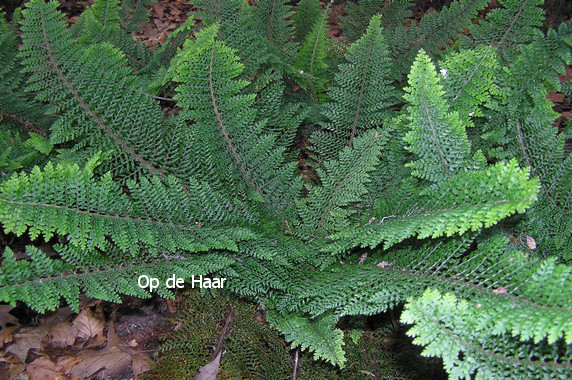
(223,130)
(24,123)
(360,96)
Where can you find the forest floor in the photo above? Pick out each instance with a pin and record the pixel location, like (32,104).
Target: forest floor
(122,340)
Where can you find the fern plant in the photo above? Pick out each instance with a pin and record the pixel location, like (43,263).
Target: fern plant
(422,171)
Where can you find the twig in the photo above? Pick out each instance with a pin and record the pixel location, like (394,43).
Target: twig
(226,327)
(296,361)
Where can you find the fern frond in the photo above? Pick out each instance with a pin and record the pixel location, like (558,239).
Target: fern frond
(87,87)
(453,328)
(361,97)
(328,207)
(16,105)
(437,136)
(306,16)
(153,217)
(465,202)
(273,20)
(515,22)
(318,336)
(434,31)
(134,13)
(42,282)
(105,28)
(313,56)
(393,13)
(234,19)
(236,153)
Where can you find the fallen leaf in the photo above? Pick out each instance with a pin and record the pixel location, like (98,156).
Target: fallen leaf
(12,365)
(501,290)
(7,335)
(26,339)
(60,315)
(157,10)
(384,264)
(111,360)
(89,324)
(68,362)
(60,336)
(6,317)
(44,369)
(530,242)
(556,97)
(210,370)
(171,306)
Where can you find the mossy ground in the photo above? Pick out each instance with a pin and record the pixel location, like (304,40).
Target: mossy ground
(253,350)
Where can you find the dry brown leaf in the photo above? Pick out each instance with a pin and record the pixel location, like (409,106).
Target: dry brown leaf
(501,290)
(530,242)
(89,324)
(67,363)
(171,306)
(60,315)
(556,97)
(210,370)
(43,368)
(60,336)
(26,339)
(7,335)
(6,317)
(13,365)
(111,360)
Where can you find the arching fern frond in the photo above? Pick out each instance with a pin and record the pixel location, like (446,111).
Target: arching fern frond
(235,152)
(153,217)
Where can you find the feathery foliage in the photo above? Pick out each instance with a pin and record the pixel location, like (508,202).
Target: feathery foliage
(319,190)
(361,98)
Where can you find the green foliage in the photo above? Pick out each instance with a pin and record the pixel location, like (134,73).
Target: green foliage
(306,17)
(481,334)
(19,153)
(134,14)
(93,210)
(273,20)
(470,82)
(361,97)
(393,14)
(42,282)
(515,22)
(435,31)
(16,106)
(323,196)
(235,21)
(465,202)
(253,349)
(233,145)
(102,25)
(313,56)
(319,336)
(437,137)
(343,183)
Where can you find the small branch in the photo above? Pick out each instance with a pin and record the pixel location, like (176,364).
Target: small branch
(225,329)
(296,362)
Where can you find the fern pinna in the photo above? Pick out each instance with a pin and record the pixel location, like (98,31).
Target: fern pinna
(433,177)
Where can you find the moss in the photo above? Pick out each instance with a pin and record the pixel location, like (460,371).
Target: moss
(253,350)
